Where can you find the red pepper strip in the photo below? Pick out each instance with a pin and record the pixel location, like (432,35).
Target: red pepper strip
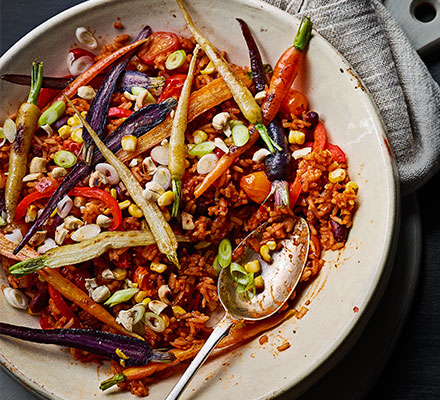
(65,310)
(118,112)
(173,87)
(295,190)
(46,95)
(79,52)
(320,137)
(95,193)
(337,153)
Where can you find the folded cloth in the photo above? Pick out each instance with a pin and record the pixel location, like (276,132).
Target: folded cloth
(407,96)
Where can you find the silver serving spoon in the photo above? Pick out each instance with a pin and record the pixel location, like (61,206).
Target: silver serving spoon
(280,279)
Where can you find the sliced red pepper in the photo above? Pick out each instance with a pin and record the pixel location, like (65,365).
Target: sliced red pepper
(65,310)
(119,112)
(337,153)
(46,95)
(44,322)
(295,190)
(158,43)
(173,87)
(94,193)
(320,137)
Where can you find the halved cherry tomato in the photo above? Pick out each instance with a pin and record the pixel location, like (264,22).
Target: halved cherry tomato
(294,103)
(141,277)
(158,43)
(256,185)
(173,87)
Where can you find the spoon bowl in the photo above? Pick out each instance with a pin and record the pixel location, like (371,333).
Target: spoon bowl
(280,278)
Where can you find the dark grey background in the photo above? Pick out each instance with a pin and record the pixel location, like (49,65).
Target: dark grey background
(413,372)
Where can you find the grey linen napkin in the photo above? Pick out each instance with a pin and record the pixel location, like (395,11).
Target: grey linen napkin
(404,91)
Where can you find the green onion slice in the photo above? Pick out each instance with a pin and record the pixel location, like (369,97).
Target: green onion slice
(175,60)
(201,149)
(224,253)
(240,135)
(239,274)
(52,114)
(121,296)
(216,265)
(2,133)
(64,158)
(249,289)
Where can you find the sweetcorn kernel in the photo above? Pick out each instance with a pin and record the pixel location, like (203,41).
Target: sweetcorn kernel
(140,296)
(265,253)
(129,143)
(135,211)
(124,204)
(178,311)
(119,274)
(337,175)
(158,267)
(76,135)
(351,186)
(297,137)
(73,121)
(114,193)
(252,266)
(272,245)
(65,131)
(259,282)
(146,301)
(166,199)
(209,69)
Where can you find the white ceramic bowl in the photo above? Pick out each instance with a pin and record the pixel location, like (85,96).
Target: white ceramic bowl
(348,288)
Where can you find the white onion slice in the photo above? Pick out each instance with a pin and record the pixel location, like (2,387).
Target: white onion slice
(9,129)
(85,232)
(86,38)
(15,236)
(79,65)
(160,154)
(109,172)
(162,176)
(207,163)
(16,298)
(64,206)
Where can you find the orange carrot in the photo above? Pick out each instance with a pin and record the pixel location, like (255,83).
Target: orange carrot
(94,70)
(285,72)
(225,162)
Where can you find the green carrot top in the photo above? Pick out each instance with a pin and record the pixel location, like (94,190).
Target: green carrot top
(303,35)
(36,81)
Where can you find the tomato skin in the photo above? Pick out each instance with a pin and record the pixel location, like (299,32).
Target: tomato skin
(158,43)
(141,277)
(294,103)
(256,186)
(173,87)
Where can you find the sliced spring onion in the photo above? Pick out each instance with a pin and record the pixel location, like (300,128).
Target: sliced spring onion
(224,253)
(155,322)
(64,158)
(9,129)
(207,163)
(121,296)
(2,133)
(201,149)
(216,265)
(175,59)
(239,274)
(52,114)
(271,145)
(240,135)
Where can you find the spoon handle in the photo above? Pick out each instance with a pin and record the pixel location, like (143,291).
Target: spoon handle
(220,331)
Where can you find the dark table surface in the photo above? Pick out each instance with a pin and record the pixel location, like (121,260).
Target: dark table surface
(413,371)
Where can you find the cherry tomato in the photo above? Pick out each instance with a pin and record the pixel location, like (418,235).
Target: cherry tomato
(294,103)
(173,87)
(256,185)
(158,43)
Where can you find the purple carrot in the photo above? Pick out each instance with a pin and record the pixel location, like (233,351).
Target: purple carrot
(136,124)
(131,350)
(126,81)
(277,166)
(97,114)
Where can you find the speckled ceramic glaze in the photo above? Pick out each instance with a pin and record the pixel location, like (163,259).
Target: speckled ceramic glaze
(345,293)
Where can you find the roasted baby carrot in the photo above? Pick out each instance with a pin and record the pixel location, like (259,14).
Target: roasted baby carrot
(26,122)
(285,72)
